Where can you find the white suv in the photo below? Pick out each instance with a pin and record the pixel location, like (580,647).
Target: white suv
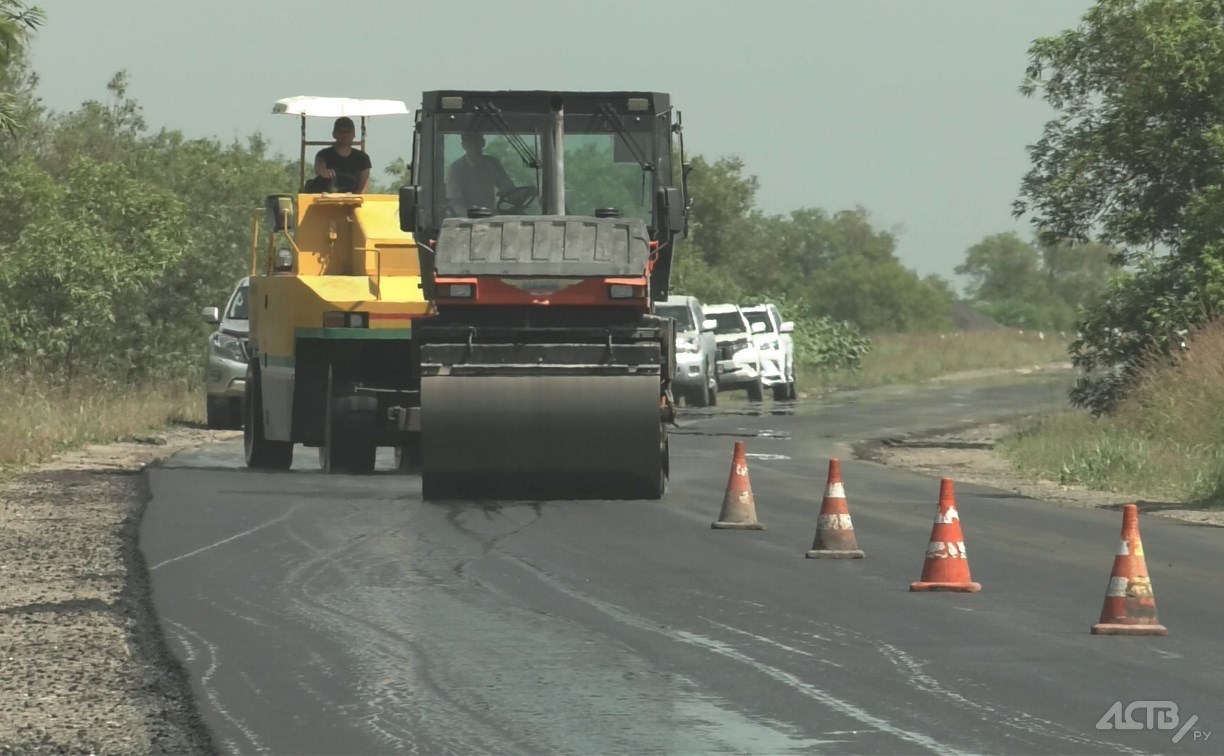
(777,349)
(739,361)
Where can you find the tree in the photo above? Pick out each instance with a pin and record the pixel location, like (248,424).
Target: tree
(1139,89)
(1018,283)
(1000,267)
(1133,159)
(18,20)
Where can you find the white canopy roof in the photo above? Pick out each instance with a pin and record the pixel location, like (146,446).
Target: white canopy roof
(334,107)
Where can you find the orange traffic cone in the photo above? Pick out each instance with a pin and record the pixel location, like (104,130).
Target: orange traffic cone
(947,566)
(1130,606)
(834,530)
(739,508)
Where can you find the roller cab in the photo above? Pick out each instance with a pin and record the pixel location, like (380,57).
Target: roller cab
(544,372)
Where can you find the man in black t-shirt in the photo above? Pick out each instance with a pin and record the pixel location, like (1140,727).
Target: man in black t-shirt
(342,163)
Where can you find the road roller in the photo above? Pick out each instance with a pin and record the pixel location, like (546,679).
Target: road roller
(545,225)
(334,288)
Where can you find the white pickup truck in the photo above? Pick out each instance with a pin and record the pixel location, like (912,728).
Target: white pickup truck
(739,361)
(777,349)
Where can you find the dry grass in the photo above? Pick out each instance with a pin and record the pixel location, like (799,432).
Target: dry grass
(37,422)
(913,358)
(1165,442)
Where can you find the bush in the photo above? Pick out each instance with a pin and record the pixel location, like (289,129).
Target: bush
(1164,439)
(1138,325)
(828,344)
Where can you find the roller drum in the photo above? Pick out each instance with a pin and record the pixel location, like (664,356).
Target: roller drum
(541,436)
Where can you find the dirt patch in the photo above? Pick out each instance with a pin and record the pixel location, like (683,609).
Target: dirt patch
(968,455)
(86,669)
(969,375)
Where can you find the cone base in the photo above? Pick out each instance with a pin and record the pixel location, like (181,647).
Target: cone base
(1109,628)
(835,554)
(958,587)
(737,526)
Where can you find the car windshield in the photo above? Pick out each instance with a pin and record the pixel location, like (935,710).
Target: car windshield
(728,322)
(679,313)
(759,317)
(238,305)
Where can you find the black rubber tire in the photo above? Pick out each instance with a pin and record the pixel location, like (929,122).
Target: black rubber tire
(217,413)
(756,391)
(259,452)
(408,457)
(347,428)
(781,392)
(237,413)
(698,396)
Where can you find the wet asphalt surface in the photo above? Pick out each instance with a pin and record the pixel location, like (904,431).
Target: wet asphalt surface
(319,614)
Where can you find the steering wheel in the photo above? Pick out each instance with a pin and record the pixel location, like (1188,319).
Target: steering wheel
(516,200)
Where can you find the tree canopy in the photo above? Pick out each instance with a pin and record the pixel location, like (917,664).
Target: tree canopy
(1134,159)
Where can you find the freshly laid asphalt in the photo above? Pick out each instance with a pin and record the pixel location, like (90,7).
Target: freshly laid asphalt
(334,614)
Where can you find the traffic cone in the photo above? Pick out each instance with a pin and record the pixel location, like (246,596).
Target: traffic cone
(947,566)
(834,530)
(1130,606)
(739,507)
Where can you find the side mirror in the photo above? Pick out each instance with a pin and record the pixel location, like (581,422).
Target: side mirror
(758,328)
(787,327)
(211,315)
(408,196)
(670,209)
(279,211)
(709,324)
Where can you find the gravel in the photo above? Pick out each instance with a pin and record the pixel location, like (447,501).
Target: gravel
(85,667)
(968,455)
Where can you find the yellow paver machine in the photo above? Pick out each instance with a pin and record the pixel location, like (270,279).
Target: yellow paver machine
(545,224)
(333,295)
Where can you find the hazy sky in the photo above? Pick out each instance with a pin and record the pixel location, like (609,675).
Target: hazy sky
(907,107)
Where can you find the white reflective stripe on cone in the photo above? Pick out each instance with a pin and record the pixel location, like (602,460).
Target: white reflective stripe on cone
(947,550)
(834,522)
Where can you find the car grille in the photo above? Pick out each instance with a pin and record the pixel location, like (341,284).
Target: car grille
(727,351)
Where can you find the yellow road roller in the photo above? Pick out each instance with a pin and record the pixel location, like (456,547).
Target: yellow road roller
(334,290)
(545,225)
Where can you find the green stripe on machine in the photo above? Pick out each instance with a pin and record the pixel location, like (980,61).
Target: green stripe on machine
(353,333)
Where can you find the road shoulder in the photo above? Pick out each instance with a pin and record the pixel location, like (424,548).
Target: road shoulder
(967,454)
(86,668)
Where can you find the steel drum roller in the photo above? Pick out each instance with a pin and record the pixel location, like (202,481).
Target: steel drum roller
(526,436)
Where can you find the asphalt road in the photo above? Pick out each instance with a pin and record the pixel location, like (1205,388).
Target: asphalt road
(320,614)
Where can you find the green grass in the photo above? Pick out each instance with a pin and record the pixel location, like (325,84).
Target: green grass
(39,421)
(1164,443)
(913,358)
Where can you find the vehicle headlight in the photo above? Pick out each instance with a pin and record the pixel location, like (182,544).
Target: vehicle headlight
(687,347)
(284,259)
(229,347)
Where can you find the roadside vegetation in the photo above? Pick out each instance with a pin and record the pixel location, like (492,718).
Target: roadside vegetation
(1134,160)
(40,420)
(113,235)
(914,358)
(1164,441)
